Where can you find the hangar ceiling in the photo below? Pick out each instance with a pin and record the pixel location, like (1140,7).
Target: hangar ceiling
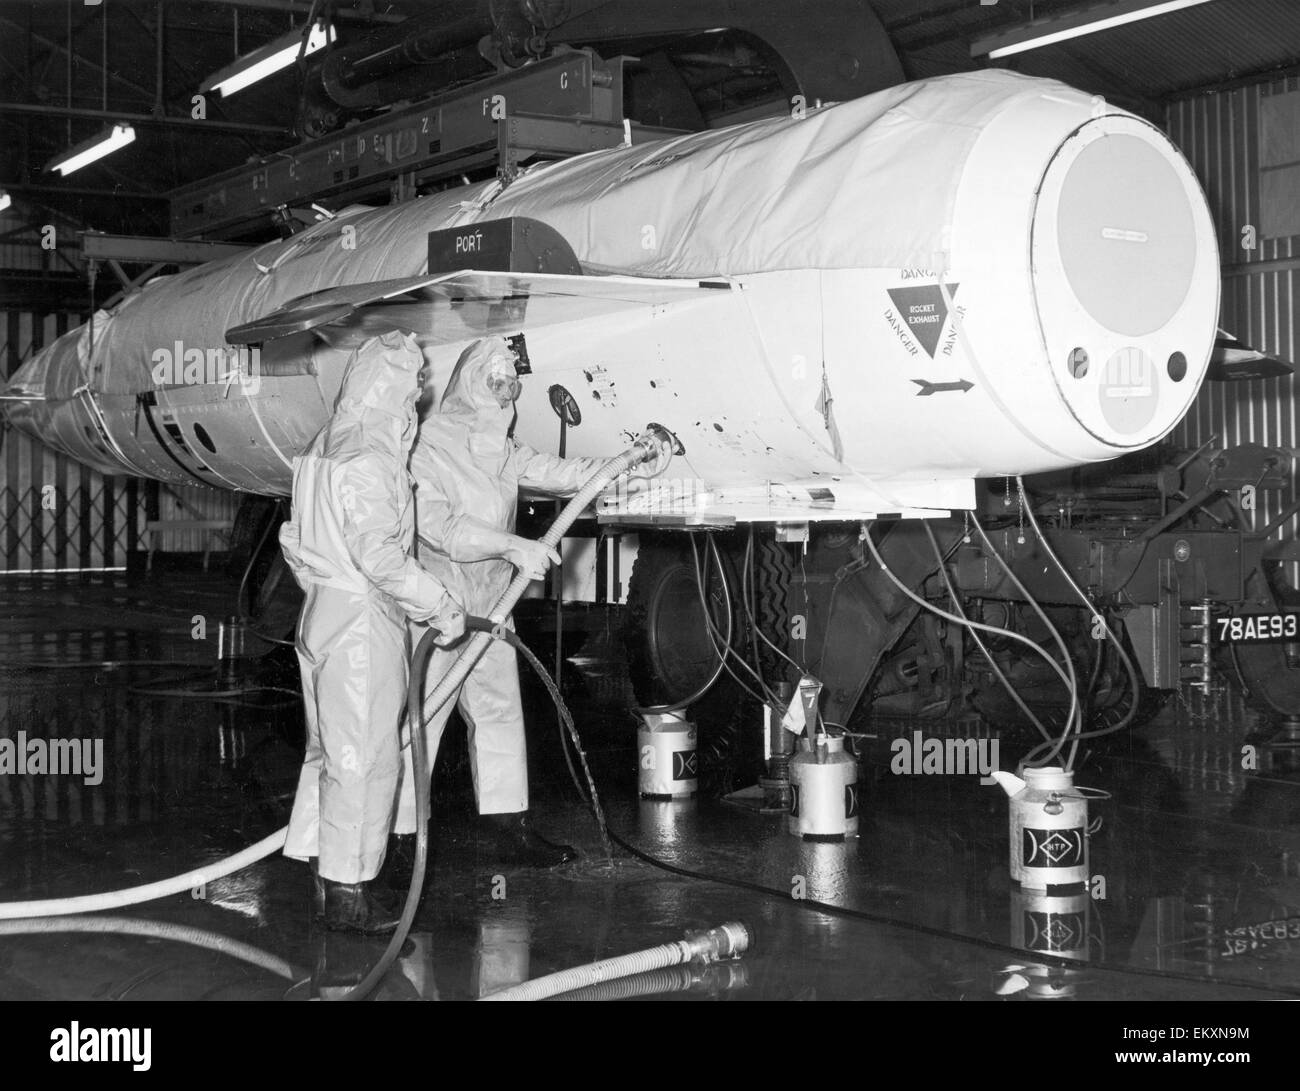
(69,68)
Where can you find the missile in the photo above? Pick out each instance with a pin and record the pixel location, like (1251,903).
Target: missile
(851,311)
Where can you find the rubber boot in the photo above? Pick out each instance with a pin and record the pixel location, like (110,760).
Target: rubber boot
(519,844)
(354,907)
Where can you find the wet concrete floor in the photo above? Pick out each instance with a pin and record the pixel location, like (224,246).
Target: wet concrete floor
(1196,864)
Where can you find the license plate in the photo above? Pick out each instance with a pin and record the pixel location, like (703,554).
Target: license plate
(1257,628)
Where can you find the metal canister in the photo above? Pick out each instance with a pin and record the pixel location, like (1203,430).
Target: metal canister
(1054,924)
(1049,828)
(667,764)
(234,664)
(824,804)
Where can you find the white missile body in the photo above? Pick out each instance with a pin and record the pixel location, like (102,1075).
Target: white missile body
(847,314)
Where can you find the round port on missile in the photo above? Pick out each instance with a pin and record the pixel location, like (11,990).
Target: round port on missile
(1128,391)
(1078,363)
(1177,367)
(1128,244)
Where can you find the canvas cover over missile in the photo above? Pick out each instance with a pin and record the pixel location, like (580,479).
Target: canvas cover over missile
(840,314)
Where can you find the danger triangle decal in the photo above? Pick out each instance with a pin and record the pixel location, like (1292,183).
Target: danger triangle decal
(924,309)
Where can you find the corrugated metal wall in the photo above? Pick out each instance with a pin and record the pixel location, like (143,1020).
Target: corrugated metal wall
(194,502)
(1219,134)
(21,246)
(57,515)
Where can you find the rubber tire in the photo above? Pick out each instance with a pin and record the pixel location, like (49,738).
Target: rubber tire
(662,602)
(669,653)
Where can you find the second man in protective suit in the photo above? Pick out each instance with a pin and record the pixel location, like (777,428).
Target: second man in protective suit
(468,471)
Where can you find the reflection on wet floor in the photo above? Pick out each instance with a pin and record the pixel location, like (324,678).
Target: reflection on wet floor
(1195,869)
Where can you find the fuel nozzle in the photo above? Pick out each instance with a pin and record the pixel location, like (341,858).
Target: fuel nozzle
(730,940)
(654,442)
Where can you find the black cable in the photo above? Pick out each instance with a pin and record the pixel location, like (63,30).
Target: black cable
(979,643)
(725,650)
(842,574)
(248,568)
(566,718)
(753,673)
(1134,683)
(955,620)
(1094,677)
(270,639)
(1071,722)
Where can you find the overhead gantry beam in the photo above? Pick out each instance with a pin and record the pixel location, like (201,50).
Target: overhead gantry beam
(98,246)
(144,119)
(298,7)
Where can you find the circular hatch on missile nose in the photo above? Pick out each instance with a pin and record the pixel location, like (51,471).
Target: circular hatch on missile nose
(1125,232)
(1125,277)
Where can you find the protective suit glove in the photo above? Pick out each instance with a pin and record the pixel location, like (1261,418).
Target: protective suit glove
(449,620)
(530,557)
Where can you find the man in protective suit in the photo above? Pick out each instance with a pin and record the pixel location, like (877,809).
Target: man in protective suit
(468,471)
(349,545)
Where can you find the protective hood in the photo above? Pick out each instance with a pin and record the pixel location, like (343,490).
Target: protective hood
(379,392)
(483,386)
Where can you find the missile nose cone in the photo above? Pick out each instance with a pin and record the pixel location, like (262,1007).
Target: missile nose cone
(41,399)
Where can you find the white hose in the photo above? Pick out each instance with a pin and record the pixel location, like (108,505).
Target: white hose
(581,977)
(177,933)
(726,941)
(671,979)
(134,895)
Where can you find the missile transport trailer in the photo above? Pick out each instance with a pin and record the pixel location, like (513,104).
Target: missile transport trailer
(847,315)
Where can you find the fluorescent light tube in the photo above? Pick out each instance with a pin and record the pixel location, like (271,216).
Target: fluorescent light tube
(119,136)
(267,60)
(1073,25)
